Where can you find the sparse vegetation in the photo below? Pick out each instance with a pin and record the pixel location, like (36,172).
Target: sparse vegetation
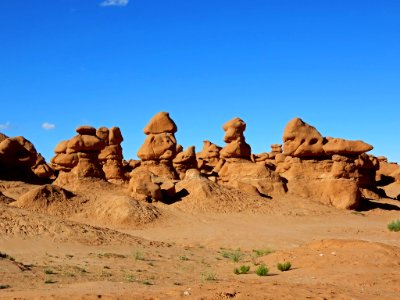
(285,266)
(49,281)
(49,271)
(262,252)
(130,278)
(235,255)
(183,257)
(4,286)
(262,270)
(242,270)
(138,255)
(394,225)
(209,276)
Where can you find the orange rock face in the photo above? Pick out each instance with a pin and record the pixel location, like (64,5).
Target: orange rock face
(236,143)
(19,159)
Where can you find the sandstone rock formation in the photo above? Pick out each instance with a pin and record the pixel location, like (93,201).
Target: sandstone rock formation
(111,155)
(184,161)
(237,170)
(208,158)
(79,156)
(303,140)
(331,170)
(236,143)
(154,179)
(20,160)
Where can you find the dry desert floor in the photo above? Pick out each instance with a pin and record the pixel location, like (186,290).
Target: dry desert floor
(189,249)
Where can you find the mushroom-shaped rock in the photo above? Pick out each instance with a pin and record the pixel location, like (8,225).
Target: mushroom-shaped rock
(84,143)
(236,143)
(160,123)
(158,147)
(102,133)
(345,147)
(184,161)
(115,136)
(302,140)
(86,130)
(234,129)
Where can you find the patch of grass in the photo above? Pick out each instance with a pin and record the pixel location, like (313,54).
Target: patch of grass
(394,225)
(138,255)
(262,270)
(4,286)
(130,278)
(69,274)
(235,255)
(183,257)
(242,270)
(285,266)
(105,273)
(49,281)
(209,276)
(110,255)
(262,252)
(49,271)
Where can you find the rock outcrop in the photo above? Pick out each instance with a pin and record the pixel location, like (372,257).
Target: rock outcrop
(154,179)
(20,160)
(184,161)
(237,170)
(330,170)
(79,156)
(110,156)
(236,146)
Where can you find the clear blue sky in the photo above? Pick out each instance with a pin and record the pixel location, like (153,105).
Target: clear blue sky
(334,63)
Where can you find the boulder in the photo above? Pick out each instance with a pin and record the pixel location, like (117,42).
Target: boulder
(84,143)
(86,130)
(160,123)
(302,140)
(345,147)
(158,147)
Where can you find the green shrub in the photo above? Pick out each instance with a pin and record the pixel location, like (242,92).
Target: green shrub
(49,281)
(138,255)
(49,271)
(242,270)
(284,266)
(262,252)
(209,276)
(394,225)
(262,270)
(235,256)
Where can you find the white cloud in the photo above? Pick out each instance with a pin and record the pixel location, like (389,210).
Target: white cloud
(114,3)
(48,126)
(5,126)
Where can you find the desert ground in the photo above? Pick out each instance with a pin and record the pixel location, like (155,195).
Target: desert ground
(88,245)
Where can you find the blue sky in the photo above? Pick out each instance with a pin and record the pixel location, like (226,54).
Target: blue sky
(334,63)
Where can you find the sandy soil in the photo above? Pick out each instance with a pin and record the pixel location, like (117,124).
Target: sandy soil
(187,251)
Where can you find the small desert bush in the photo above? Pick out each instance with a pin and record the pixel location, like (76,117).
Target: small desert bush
(49,281)
(262,270)
(209,276)
(262,252)
(242,270)
(235,255)
(183,257)
(138,255)
(285,266)
(49,271)
(394,225)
